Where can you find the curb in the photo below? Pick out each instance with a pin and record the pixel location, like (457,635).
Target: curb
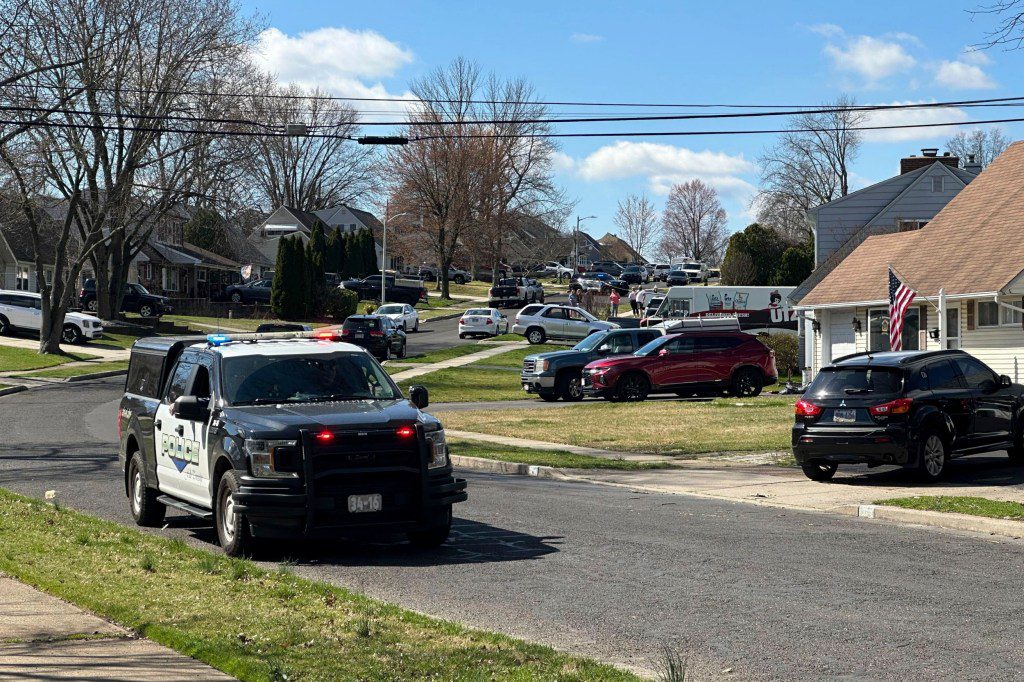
(13,389)
(496,466)
(947,520)
(97,375)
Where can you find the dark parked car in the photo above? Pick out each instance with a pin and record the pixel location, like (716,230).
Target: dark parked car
(916,409)
(276,327)
(558,374)
(607,266)
(691,363)
(376,333)
(403,290)
(257,291)
(677,278)
(136,299)
(634,274)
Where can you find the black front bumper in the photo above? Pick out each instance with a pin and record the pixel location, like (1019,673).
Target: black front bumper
(883,445)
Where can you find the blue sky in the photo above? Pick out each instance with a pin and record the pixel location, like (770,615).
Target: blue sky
(786,53)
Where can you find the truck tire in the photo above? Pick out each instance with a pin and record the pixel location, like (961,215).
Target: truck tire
(236,297)
(433,532)
(536,335)
(145,508)
(232,527)
(570,386)
(547,396)
(70,334)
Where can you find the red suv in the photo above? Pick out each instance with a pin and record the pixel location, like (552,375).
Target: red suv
(685,364)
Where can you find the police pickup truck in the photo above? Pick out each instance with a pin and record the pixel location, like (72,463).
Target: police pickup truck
(281,435)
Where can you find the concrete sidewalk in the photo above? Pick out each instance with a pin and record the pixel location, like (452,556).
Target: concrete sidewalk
(487,352)
(44,638)
(105,354)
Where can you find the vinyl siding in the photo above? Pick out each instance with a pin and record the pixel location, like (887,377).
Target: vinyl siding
(839,220)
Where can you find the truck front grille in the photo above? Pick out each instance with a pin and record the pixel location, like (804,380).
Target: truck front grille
(365,449)
(529,365)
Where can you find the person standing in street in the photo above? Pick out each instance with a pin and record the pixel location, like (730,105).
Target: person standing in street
(641,300)
(632,300)
(614,299)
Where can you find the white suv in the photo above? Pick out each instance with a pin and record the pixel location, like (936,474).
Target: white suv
(23,310)
(541,322)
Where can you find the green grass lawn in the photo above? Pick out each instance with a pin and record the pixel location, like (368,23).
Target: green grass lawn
(551,458)
(657,427)
(432,313)
(76,371)
(975,506)
(436,302)
(445,353)
(251,622)
(514,358)
(474,288)
(461,384)
(212,323)
(109,340)
(17,359)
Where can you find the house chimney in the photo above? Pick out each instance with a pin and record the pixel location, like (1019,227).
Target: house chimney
(928,156)
(972,166)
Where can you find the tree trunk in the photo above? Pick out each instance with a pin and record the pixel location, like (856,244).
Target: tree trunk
(100,261)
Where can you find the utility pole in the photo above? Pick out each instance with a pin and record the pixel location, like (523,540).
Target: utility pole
(384,252)
(576,242)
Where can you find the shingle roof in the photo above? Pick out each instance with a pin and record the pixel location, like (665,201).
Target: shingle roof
(972,246)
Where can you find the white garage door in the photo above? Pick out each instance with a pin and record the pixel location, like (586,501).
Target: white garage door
(841,332)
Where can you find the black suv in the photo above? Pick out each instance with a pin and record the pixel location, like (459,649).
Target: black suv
(376,333)
(915,409)
(136,299)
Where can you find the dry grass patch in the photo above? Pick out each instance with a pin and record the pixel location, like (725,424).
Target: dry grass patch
(657,427)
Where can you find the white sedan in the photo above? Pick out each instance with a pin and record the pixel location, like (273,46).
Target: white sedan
(403,315)
(482,322)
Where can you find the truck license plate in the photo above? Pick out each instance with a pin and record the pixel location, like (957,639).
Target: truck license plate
(357,504)
(844,416)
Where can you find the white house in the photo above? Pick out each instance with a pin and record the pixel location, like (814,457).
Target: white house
(966,265)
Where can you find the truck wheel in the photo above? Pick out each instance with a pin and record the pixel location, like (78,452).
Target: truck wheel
(819,470)
(746,383)
(633,387)
(548,397)
(70,334)
(5,326)
(145,310)
(236,297)
(570,386)
(141,498)
(434,531)
(535,335)
(232,527)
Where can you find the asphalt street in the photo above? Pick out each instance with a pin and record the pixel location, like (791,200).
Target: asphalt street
(761,593)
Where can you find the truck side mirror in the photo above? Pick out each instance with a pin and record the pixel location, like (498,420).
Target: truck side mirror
(419,396)
(1004,381)
(663,353)
(190,408)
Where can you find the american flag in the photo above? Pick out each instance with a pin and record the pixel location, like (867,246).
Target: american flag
(900,297)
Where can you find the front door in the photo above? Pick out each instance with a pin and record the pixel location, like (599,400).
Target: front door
(578,325)
(555,321)
(678,366)
(182,445)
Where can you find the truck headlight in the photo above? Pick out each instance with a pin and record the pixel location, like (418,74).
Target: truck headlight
(542,366)
(437,449)
(273,458)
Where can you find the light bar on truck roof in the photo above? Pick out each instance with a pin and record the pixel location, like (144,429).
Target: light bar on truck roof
(215,340)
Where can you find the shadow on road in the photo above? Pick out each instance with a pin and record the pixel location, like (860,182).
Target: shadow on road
(975,471)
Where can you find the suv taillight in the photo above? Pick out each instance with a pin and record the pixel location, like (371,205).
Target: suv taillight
(807,409)
(898,406)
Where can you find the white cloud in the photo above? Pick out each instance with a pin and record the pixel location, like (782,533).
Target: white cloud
(975,56)
(586,38)
(959,75)
(560,161)
(871,58)
(339,60)
(912,116)
(827,30)
(665,165)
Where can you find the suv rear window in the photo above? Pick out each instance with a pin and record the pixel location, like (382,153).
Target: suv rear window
(844,381)
(361,323)
(144,374)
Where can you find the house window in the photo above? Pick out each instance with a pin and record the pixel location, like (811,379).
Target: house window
(910,225)
(1008,316)
(937,184)
(170,279)
(878,329)
(200,275)
(21,278)
(146,271)
(988,314)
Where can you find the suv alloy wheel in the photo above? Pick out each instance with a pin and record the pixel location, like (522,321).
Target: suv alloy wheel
(932,456)
(633,387)
(93,305)
(146,310)
(535,335)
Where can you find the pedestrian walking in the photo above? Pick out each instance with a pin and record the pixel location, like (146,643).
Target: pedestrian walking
(641,300)
(573,301)
(614,300)
(632,300)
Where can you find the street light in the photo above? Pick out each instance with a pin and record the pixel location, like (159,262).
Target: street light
(384,252)
(576,241)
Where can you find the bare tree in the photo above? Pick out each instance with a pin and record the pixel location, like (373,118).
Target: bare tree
(695,221)
(984,145)
(116,155)
(637,221)
(808,166)
(308,173)
(1009,31)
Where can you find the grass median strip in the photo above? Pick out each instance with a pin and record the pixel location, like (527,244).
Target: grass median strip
(461,384)
(77,370)
(974,506)
(15,359)
(448,353)
(549,458)
(659,427)
(250,622)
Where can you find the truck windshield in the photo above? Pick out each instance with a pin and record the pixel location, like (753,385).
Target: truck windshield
(261,379)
